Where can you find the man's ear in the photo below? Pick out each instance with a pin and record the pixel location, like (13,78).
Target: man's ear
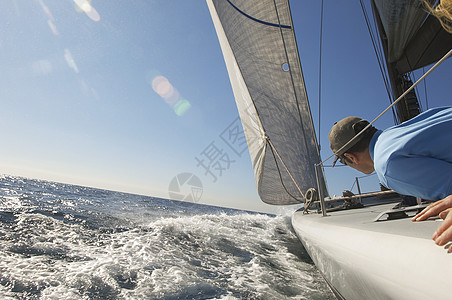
(351,158)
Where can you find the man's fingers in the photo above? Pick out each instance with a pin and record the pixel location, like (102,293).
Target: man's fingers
(429,211)
(444,213)
(443,234)
(432,210)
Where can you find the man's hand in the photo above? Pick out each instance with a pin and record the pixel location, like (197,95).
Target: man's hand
(443,208)
(443,234)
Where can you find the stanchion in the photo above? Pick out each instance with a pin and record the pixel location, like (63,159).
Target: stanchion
(320,189)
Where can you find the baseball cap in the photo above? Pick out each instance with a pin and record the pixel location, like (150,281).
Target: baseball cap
(342,132)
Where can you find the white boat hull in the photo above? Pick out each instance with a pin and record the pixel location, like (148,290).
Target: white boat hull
(363,259)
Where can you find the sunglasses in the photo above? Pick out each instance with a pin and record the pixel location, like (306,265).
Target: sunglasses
(341,159)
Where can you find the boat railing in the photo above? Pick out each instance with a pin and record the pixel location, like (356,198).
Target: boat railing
(327,204)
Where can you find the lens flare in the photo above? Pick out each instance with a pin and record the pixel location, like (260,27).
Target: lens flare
(50,17)
(173,98)
(91,12)
(70,60)
(161,85)
(46,10)
(52,27)
(181,107)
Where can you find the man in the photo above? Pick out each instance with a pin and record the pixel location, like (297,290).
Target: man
(413,158)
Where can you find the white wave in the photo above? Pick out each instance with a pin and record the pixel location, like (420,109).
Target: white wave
(69,247)
(225,255)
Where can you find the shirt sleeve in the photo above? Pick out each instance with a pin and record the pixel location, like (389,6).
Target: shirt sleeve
(424,177)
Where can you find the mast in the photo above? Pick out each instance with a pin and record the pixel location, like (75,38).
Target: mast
(408,107)
(411,39)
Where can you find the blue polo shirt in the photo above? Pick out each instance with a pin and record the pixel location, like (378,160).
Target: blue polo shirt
(415,157)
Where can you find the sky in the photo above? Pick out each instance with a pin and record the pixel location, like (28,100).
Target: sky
(134,96)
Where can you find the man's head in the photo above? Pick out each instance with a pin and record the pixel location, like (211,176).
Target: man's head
(355,154)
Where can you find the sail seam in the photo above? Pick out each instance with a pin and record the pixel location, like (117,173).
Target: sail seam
(241,72)
(257,20)
(425,50)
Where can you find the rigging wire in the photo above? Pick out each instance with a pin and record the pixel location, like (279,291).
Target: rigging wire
(320,70)
(360,177)
(412,77)
(394,103)
(376,43)
(425,90)
(379,49)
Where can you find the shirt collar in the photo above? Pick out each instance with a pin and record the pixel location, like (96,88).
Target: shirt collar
(372,143)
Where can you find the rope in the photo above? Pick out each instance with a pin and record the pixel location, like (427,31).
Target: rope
(394,103)
(360,196)
(281,179)
(272,147)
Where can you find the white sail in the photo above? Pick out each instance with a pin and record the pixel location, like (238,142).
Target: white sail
(261,55)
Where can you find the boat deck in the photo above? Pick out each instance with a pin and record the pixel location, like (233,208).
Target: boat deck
(364,218)
(367,259)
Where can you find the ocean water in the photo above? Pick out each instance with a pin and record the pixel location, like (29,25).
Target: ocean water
(60,241)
